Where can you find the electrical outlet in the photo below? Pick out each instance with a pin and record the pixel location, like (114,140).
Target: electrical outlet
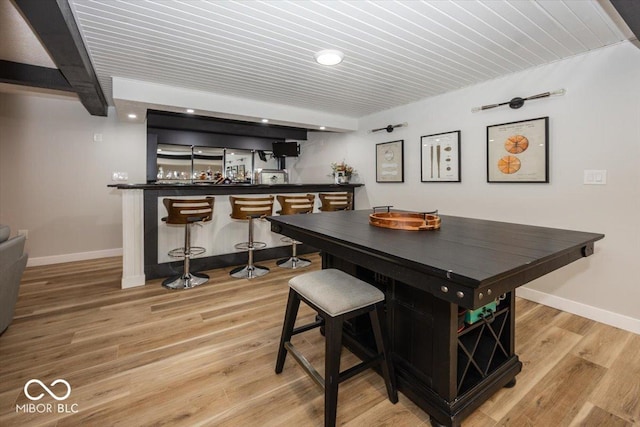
(24,233)
(595,177)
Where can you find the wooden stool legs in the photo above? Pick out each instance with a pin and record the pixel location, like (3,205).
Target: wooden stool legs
(333,348)
(293,304)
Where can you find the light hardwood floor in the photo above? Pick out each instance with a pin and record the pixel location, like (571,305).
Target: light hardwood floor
(205,356)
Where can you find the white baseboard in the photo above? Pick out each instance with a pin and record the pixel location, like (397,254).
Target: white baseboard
(81,256)
(594,313)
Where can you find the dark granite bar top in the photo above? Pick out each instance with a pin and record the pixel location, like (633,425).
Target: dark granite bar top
(237,187)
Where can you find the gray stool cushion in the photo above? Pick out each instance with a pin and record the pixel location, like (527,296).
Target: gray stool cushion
(334,291)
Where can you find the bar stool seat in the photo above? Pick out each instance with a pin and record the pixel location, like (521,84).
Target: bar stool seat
(335,292)
(336,296)
(338,201)
(294,205)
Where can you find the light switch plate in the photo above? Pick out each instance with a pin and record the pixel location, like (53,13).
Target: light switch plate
(595,176)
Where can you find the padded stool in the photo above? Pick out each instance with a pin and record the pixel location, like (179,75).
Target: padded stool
(292,205)
(339,201)
(187,212)
(336,296)
(248,209)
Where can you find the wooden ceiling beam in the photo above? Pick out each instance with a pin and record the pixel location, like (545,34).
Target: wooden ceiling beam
(55,26)
(33,76)
(629,11)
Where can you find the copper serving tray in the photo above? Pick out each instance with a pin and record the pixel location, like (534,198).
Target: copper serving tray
(405,220)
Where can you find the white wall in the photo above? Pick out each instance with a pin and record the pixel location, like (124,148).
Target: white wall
(596,125)
(54,177)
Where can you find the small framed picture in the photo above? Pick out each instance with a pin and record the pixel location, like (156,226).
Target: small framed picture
(518,151)
(390,161)
(440,157)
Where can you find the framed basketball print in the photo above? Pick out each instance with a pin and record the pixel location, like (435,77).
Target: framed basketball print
(440,157)
(390,161)
(518,151)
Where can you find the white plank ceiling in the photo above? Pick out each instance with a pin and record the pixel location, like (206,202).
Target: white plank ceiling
(396,52)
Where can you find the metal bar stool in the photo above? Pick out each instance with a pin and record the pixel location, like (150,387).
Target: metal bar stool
(248,209)
(292,205)
(336,201)
(336,296)
(187,212)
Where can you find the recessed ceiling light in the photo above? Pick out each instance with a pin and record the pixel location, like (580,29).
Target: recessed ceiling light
(322,128)
(132,116)
(190,110)
(329,57)
(265,120)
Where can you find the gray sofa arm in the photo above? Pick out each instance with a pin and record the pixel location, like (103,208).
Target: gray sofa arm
(13,261)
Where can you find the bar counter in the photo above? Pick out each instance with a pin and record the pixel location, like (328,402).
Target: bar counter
(146,240)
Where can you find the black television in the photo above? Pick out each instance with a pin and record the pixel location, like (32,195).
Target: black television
(285,149)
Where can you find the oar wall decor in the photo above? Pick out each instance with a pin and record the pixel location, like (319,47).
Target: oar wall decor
(519,102)
(390,128)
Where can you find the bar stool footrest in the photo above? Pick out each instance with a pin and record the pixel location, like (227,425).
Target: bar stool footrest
(360,367)
(308,327)
(290,240)
(305,364)
(245,246)
(180,252)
